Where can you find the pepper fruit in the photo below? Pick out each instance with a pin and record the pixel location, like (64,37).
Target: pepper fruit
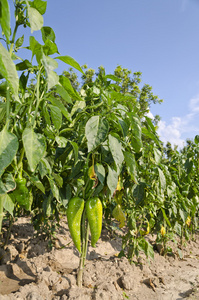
(94,215)
(74,216)
(21,193)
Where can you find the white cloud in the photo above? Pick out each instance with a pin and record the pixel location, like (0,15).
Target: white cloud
(181,126)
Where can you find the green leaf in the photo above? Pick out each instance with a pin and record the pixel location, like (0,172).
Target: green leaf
(70,61)
(136,132)
(196,139)
(65,82)
(8,204)
(56,116)
(24,65)
(35,180)
(9,182)
(139,193)
(8,149)
(44,168)
(162,179)
(116,151)
(54,188)
(56,102)
(100,171)
(35,18)
(39,5)
(47,34)
(50,64)
(35,147)
(19,42)
(157,155)
(58,179)
(131,165)
(96,131)
(112,180)
(50,47)
(8,71)
(113,77)
(75,150)
(36,48)
(5,19)
(63,93)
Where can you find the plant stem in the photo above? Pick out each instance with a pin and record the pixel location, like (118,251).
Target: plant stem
(1,211)
(85,233)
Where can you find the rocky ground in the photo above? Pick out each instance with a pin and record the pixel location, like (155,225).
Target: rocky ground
(28,270)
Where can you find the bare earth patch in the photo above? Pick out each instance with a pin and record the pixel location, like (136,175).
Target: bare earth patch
(29,271)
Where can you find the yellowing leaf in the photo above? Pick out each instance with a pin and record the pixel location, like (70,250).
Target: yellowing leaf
(119,215)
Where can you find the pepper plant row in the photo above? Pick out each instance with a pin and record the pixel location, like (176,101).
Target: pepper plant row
(69,150)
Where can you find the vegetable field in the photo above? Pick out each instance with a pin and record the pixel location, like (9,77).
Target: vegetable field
(82,156)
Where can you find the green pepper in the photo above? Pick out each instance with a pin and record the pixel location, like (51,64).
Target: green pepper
(21,193)
(94,215)
(74,216)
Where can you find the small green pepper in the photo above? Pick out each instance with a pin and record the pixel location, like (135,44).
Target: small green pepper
(21,193)
(94,215)
(74,216)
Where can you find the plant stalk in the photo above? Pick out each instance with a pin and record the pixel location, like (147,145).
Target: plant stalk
(85,234)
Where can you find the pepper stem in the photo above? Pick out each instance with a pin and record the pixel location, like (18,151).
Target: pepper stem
(84,237)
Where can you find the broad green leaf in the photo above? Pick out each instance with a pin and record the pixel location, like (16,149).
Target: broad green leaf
(35,18)
(36,48)
(63,93)
(96,131)
(65,82)
(78,107)
(8,149)
(70,61)
(56,116)
(52,79)
(9,182)
(24,65)
(124,127)
(8,71)
(44,168)
(58,179)
(113,77)
(39,5)
(150,135)
(8,204)
(131,165)
(61,141)
(19,42)
(146,247)
(56,102)
(3,189)
(119,215)
(112,180)
(35,147)
(139,192)
(116,151)
(35,180)
(50,47)
(157,155)
(50,64)
(136,132)
(100,171)
(196,139)
(162,179)
(54,188)
(5,19)
(75,150)
(47,34)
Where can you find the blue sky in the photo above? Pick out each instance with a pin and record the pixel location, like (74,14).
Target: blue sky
(159,38)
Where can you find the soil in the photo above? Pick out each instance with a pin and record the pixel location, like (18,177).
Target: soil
(29,270)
